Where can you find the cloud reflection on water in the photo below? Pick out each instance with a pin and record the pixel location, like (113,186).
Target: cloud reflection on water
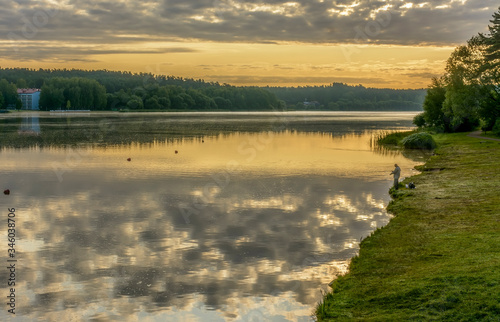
(249,242)
(110,240)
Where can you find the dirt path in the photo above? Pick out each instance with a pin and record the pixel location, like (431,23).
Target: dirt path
(477,135)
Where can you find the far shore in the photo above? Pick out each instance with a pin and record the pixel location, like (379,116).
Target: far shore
(242,112)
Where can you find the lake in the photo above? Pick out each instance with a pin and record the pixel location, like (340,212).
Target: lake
(189,216)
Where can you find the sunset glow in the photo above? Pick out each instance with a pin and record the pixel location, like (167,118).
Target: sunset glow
(396,44)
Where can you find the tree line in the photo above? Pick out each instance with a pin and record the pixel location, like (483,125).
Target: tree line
(343,97)
(110,90)
(467,95)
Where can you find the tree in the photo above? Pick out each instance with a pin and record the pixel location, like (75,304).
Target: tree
(21,83)
(419,120)
(463,86)
(491,67)
(74,94)
(489,106)
(490,70)
(461,106)
(433,104)
(222,103)
(2,101)
(9,92)
(51,97)
(101,89)
(164,102)
(152,103)
(135,103)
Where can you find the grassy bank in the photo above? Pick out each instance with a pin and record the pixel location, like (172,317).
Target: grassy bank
(439,257)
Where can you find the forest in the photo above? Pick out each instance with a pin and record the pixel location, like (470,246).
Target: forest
(111,90)
(114,90)
(342,97)
(468,94)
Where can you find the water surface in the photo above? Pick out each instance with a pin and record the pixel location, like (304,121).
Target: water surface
(217,216)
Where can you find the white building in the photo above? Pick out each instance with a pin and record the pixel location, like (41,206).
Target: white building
(30,97)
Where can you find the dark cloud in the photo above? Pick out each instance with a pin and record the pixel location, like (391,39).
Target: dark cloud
(79,53)
(438,22)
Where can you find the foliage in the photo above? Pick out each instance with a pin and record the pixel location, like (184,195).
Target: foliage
(76,93)
(395,138)
(490,106)
(160,92)
(51,97)
(491,66)
(433,105)
(419,120)
(342,97)
(2,101)
(9,93)
(102,89)
(463,95)
(421,140)
(496,127)
(469,91)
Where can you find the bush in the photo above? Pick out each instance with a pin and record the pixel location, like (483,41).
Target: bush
(419,120)
(420,140)
(496,127)
(387,138)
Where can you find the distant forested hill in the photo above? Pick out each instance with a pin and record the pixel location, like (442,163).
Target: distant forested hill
(111,90)
(114,90)
(342,97)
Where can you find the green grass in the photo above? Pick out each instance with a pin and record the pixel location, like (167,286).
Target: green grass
(490,134)
(439,258)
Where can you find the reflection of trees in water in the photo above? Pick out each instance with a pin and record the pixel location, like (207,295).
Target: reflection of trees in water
(411,154)
(125,130)
(393,151)
(259,237)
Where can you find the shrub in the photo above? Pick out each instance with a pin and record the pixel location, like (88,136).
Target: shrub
(419,120)
(420,140)
(387,138)
(496,127)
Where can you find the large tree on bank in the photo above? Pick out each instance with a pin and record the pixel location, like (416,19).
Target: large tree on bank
(469,91)
(490,70)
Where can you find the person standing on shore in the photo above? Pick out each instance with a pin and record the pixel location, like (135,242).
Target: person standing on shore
(396,173)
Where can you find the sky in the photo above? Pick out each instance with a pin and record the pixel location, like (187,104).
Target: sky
(376,43)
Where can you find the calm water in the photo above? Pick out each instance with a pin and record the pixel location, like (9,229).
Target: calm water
(249,220)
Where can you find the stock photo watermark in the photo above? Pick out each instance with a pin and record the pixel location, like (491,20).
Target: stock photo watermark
(363,34)
(11,260)
(31,26)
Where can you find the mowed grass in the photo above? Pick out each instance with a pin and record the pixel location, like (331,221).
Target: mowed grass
(439,258)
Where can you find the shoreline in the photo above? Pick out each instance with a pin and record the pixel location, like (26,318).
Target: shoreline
(269,111)
(438,257)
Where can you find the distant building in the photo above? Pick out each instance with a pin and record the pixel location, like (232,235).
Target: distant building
(313,104)
(30,97)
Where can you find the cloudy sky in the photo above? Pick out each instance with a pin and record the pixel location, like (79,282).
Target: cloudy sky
(377,43)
